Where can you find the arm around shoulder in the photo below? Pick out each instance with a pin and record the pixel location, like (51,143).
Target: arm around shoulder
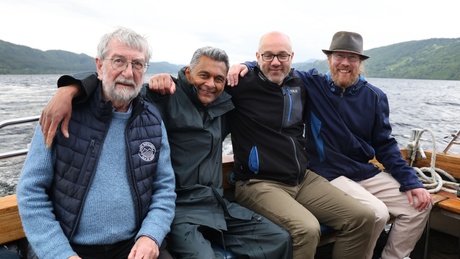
(86,83)
(71,88)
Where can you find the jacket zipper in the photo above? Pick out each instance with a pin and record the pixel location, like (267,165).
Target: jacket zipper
(130,169)
(84,168)
(287,92)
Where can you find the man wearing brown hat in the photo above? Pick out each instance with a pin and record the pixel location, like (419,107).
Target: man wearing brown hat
(348,125)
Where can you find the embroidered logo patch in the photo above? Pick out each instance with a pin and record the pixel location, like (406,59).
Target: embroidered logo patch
(147,151)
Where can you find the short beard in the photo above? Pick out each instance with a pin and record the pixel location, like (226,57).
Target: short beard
(121,94)
(344,83)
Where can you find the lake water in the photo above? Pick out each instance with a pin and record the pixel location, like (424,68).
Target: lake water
(424,104)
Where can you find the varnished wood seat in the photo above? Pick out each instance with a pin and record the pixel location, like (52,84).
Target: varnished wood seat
(10,223)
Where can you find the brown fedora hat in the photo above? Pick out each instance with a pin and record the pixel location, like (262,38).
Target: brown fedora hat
(345,41)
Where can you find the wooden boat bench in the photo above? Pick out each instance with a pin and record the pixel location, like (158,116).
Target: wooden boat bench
(448,204)
(450,163)
(12,237)
(445,202)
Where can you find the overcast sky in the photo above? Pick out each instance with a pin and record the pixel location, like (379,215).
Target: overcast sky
(175,29)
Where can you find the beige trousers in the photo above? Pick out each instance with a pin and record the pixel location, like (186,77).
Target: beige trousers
(381,193)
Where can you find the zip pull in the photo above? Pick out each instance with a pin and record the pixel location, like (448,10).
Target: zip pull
(92,145)
(284,90)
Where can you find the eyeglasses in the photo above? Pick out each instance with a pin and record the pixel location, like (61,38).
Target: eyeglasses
(268,57)
(340,57)
(120,64)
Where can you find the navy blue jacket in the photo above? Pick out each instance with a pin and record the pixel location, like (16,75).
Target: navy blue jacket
(348,127)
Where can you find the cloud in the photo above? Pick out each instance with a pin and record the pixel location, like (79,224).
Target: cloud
(176,28)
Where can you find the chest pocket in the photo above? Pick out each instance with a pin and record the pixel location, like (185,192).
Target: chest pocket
(293,106)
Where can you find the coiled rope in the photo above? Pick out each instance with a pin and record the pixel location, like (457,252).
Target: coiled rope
(431,177)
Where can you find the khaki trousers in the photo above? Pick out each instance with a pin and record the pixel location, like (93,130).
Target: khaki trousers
(381,194)
(299,209)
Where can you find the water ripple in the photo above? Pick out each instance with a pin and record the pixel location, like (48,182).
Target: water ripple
(423,104)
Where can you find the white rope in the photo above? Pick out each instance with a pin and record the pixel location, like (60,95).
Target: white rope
(434,182)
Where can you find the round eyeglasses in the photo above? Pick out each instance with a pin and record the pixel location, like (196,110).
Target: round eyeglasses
(341,56)
(120,64)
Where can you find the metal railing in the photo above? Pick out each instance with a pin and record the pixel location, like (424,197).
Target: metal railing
(17,121)
(453,141)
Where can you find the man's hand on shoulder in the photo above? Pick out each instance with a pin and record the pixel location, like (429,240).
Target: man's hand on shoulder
(162,84)
(234,72)
(58,109)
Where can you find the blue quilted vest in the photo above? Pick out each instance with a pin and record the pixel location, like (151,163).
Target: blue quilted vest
(77,157)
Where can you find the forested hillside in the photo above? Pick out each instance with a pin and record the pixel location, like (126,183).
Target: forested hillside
(423,59)
(17,59)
